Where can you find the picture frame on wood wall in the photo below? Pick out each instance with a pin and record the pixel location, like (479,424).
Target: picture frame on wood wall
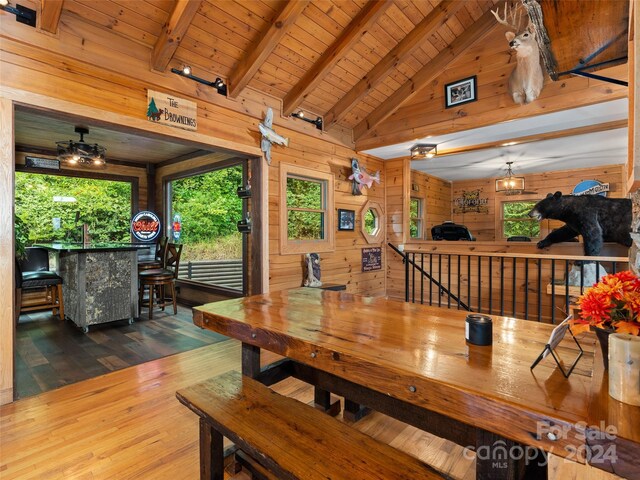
(460,92)
(346,219)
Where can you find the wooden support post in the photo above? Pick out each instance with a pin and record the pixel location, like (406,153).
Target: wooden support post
(499,458)
(211,453)
(250,360)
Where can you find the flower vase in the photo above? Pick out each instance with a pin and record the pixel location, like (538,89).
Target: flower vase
(603,339)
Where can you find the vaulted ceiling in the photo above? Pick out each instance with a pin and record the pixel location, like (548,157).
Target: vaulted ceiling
(352,62)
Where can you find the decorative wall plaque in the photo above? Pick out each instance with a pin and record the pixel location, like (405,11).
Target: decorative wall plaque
(371,259)
(470,202)
(170,110)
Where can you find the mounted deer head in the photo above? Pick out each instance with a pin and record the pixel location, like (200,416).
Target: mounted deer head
(526,80)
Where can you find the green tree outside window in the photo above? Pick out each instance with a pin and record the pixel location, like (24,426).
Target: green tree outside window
(516,221)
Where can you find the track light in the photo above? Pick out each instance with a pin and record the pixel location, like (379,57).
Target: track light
(23,14)
(317,122)
(218,83)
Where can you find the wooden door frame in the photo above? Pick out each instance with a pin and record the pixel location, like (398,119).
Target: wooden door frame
(9,99)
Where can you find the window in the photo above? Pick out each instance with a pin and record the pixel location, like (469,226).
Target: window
(372,220)
(415,218)
(202,215)
(54,207)
(306,198)
(516,221)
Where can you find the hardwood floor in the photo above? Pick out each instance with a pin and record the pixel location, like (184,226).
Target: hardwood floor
(51,353)
(128,424)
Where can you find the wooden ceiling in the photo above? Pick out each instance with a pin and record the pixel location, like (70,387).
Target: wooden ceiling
(353,62)
(38,132)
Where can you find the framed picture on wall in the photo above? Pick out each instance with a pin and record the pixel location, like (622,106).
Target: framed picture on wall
(461,91)
(346,219)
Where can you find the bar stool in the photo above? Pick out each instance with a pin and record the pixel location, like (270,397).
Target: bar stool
(156,261)
(159,278)
(42,288)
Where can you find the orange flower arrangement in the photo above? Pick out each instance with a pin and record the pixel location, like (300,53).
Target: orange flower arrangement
(611,304)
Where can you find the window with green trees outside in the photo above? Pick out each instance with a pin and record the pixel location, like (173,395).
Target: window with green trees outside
(516,221)
(53,207)
(415,218)
(306,208)
(209,209)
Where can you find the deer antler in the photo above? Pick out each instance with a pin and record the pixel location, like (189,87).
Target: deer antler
(514,15)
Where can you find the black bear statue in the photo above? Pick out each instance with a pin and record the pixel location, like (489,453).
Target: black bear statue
(598,219)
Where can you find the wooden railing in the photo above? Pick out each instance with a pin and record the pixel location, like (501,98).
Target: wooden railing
(223,273)
(534,287)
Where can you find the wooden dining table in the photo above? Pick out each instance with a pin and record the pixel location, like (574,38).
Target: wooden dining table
(412,362)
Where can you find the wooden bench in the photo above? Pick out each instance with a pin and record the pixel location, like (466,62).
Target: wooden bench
(289,438)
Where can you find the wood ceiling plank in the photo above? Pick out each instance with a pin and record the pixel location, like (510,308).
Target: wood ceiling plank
(91,14)
(351,35)
(164,5)
(50,15)
(212,19)
(398,54)
(173,32)
(426,74)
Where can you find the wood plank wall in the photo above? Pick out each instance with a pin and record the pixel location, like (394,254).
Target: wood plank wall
(491,62)
(436,195)
(486,226)
(86,71)
(483,226)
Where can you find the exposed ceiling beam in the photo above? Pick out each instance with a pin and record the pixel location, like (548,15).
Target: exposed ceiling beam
(173,32)
(538,137)
(50,15)
(426,74)
(258,53)
(434,20)
(350,35)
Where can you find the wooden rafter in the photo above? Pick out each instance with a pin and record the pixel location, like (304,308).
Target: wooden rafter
(173,32)
(426,74)
(50,15)
(258,53)
(354,31)
(436,18)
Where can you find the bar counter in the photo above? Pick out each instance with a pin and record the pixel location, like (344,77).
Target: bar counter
(100,281)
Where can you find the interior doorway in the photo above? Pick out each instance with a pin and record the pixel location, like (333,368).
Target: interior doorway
(50,353)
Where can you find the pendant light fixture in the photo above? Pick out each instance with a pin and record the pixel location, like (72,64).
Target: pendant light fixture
(424,150)
(511,185)
(81,153)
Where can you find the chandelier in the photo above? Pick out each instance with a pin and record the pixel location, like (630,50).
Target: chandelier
(511,185)
(81,153)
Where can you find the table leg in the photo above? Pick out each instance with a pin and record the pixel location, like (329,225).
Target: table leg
(498,458)
(322,401)
(354,411)
(250,360)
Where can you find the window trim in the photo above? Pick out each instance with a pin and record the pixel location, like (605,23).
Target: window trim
(327,244)
(515,199)
(419,219)
(166,214)
(378,235)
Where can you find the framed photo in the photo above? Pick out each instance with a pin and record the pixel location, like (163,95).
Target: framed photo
(346,219)
(461,91)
